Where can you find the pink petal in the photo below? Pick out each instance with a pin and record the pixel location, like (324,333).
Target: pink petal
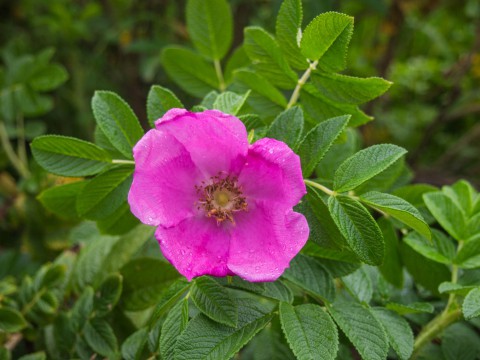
(264,241)
(217,142)
(272,172)
(196,246)
(163,189)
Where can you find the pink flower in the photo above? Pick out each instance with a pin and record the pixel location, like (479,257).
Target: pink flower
(222,206)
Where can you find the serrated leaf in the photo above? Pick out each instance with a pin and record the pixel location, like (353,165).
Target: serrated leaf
(267,57)
(318,141)
(471,304)
(214,301)
(463,194)
(104,194)
(251,121)
(278,290)
(11,320)
(100,336)
(412,308)
(309,330)
(399,209)
(392,270)
(169,297)
(230,103)
(205,339)
(468,257)
(261,86)
(349,89)
(454,288)
(159,101)
(289,32)
(67,156)
(268,344)
(311,276)
(209,24)
(82,309)
(61,200)
(118,223)
(460,342)
(364,165)
(440,249)
(133,346)
(359,228)
(359,284)
(398,331)
(172,328)
(361,328)
(108,294)
(326,39)
(189,70)
(117,121)
(288,127)
(238,59)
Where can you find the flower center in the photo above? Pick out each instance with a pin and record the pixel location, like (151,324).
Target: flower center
(221,197)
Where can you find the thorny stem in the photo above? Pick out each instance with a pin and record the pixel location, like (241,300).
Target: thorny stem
(320,187)
(120,161)
(12,156)
(218,70)
(300,83)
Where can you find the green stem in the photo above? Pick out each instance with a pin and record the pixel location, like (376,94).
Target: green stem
(320,187)
(218,70)
(11,155)
(120,161)
(296,92)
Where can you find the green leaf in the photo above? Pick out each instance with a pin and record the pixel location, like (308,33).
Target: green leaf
(104,194)
(189,70)
(11,320)
(398,332)
(214,301)
(251,121)
(61,200)
(318,141)
(392,270)
(117,121)
(229,102)
(359,228)
(326,38)
(471,304)
(133,346)
(460,342)
(309,330)
(206,339)
(311,276)
(449,287)
(49,276)
(349,89)
(359,284)
(361,328)
(100,336)
(441,249)
(287,127)
(40,355)
(238,59)
(364,165)
(108,294)
(175,322)
(82,309)
(48,78)
(159,101)
(399,209)
(447,213)
(209,24)
(261,86)
(468,257)
(267,57)
(463,194)
(141,292)
(170,295)
(68,156)
(289,32)
(118,223)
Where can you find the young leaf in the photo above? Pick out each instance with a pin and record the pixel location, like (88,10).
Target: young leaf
(441,249)
(117,121)
(310,332)
(214,301)
(359,284)
(318,141)
(62,200)
(359,228)
(288,127)
(364,165)
(327,38)
(172,328)
(67,156)
(206,339)
(311,276)
(349,89)
(471,304)
(229,102)
(159,101)
(100,336)
(104,194)
(447,213)
(361,328)
(209,24)
(468,257)
(289,32)
(189,70)
(133,346)
(398,331)
(11,320)
(399,209)
(463,194)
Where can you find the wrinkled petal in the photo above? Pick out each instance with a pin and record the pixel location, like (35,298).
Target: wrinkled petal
(196,247)
(264,240)
(163,188)
(272,172)
(216,141)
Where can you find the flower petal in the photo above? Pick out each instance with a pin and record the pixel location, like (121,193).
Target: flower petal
(272,172)
(217,142)
(163,188)
(264,241)
(197,246)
